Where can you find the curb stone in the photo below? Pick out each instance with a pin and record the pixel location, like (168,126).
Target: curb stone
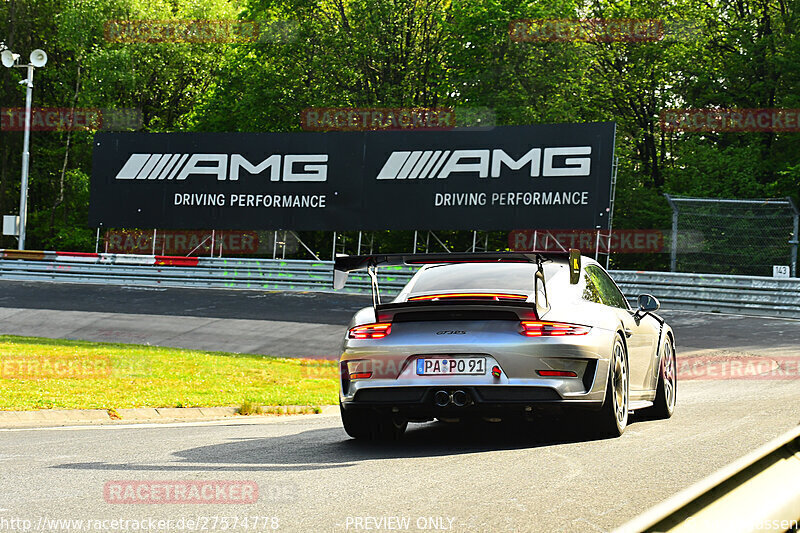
(55,415)
(138,413)
(61,417)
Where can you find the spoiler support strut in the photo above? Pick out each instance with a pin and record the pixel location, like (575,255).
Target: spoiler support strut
(372,270)
(539,276)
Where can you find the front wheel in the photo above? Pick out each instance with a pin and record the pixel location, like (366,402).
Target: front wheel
(667,388)
(612,419)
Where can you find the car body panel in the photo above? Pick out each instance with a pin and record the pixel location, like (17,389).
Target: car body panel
(391,360)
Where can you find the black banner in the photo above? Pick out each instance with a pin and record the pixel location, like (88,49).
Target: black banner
(547,176)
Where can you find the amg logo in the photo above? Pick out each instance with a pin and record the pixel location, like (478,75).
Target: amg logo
(440,164)
(312,167)
(451,332)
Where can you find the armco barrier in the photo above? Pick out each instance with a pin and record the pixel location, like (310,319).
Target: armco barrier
(702,292)
(714,292)
(141,270)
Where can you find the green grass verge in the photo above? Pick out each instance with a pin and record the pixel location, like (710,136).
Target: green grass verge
(38,373)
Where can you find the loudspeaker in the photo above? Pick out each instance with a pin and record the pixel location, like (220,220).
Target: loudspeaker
(38,58)
(9,58)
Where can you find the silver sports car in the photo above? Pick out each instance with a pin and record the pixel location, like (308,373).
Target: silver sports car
(495,335)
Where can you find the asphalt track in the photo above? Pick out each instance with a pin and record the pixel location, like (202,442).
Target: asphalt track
(286,324)
(442,477)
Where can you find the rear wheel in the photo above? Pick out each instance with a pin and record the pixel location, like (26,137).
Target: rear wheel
(356,422)
(366,424)
(388,427)
(667,388)
(613,417)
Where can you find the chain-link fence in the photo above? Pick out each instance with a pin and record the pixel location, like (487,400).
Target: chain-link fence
(728,236)
(708,235)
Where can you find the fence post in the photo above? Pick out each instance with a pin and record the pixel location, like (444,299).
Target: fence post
(795,237)
(673,251)
(615,168)
(597,246)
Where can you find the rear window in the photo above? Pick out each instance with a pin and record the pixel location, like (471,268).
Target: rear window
(481,277)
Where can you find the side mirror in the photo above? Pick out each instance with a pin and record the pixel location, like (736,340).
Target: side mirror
(574,266)
(648,304)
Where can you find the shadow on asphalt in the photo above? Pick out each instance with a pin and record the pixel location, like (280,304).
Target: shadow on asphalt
(327,448)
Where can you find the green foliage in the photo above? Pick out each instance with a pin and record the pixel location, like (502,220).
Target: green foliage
(455,53)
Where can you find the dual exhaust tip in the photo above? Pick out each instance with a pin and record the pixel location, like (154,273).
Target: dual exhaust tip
(443,398)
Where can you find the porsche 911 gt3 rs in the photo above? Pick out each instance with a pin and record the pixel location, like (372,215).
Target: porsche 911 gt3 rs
(491,335)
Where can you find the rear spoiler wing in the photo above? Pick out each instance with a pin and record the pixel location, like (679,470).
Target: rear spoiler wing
(349,263)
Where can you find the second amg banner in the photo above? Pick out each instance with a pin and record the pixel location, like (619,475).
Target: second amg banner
(547,176)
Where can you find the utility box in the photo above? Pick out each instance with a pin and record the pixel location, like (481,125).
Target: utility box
(10,225)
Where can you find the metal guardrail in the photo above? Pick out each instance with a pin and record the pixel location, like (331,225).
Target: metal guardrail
(703,292)
(715,292)
(759,492)
(254,274)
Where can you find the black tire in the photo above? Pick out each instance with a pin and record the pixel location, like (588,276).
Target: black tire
(357,422)
(388,427)
(667,387)
(612,419)
(366,424)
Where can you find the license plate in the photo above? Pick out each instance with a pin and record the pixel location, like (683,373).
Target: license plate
(454,366)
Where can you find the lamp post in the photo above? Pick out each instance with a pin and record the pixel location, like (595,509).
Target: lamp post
(38,59)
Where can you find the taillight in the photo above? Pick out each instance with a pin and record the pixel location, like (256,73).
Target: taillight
(370,331)
(557,373)
(551,329)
